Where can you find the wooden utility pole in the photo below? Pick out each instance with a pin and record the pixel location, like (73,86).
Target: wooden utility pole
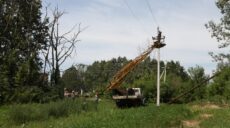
(194,87)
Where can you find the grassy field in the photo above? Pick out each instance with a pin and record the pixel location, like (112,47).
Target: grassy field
(107,115)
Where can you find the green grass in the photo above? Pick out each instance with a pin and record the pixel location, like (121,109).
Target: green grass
(107,115)
(3,115)
(21,114)
(220,119)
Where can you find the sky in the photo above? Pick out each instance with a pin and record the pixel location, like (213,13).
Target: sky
(125,28)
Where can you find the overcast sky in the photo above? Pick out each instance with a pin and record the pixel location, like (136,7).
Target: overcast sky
(123,27)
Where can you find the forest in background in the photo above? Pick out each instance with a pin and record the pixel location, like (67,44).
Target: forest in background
(178,80)
(32,51)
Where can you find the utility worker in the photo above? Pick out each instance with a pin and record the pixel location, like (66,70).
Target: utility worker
(96,100)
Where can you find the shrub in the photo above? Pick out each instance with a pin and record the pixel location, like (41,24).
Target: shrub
(218,99)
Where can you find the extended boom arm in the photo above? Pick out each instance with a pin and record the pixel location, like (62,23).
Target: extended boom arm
(121,74)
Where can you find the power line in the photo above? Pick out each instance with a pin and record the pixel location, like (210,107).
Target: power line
(151,11)
(135,16)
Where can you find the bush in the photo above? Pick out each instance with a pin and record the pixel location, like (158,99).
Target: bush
(49,94)
(218,99)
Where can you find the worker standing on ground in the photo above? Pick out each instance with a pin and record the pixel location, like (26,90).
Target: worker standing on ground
(96,100)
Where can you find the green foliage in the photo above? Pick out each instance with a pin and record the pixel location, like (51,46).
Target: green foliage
(174,68)
(220,30)
(58,109)
(218,99)
(148,89)
(220,84)
(197,75)
(24,113)
(27,94)
(147,117)
(107,115)
(99,74)
(220,119)
(73,79)
(173,87)
(22,37)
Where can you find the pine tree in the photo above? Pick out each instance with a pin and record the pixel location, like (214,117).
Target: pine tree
(23,34)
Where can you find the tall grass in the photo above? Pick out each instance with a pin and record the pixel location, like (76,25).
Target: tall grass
(56,110)
(83,114)
(24,113)
(19,114)
(108,116)
(142,117)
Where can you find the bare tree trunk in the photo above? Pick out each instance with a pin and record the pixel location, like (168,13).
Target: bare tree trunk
(57,74)
(61,47)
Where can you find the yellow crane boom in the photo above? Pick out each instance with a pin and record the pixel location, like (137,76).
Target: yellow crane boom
(123,72)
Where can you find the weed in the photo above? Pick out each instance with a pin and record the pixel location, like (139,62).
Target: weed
(20,114)
(25,113)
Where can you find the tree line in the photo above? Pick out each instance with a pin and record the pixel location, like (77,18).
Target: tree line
(32,50)
(96,77)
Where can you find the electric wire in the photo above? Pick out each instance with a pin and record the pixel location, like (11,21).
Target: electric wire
(135,16)
(151,11)
(153,17)
(138,19)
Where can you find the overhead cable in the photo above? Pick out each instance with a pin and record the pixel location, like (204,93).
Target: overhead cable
(135,16)
(151,11)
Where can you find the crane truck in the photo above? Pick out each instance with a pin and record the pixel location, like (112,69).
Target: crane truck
(128,97)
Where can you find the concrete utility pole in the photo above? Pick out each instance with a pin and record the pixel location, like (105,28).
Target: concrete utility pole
(158,77)
(158,44)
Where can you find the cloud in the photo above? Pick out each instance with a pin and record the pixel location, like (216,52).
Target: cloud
(113,30)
